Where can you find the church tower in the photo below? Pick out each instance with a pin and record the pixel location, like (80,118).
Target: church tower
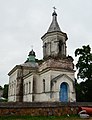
(57,70)
(54,41)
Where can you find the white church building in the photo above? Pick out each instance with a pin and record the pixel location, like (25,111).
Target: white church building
(49,79)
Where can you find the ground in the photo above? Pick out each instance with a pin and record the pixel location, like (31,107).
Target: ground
(41,118)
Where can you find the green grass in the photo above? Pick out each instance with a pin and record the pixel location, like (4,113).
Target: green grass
(39,118)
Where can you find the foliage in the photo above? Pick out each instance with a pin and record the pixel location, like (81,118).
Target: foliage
(84,64)
(83,91)
(3,100)
(5,93)
(1,88)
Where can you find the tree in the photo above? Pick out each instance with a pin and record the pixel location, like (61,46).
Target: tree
(1,91)
(5,92)
(1,88)
(84,67)
(84,64)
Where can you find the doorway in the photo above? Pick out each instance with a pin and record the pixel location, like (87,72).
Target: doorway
(63,95)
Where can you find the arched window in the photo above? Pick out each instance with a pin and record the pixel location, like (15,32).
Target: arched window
(43,85)
(24,89)
(29,87)
(60,45)
(14,88)
(44,49)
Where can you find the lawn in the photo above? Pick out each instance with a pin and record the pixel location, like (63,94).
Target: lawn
(41,118)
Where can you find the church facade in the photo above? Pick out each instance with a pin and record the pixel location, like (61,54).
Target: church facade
(49,79)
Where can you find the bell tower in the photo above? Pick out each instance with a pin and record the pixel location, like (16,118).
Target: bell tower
(54,41)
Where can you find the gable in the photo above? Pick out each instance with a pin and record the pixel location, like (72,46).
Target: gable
(60,76)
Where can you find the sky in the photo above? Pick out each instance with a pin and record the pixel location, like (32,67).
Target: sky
(24,22)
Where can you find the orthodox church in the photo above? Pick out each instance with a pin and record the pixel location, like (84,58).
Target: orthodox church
(49,79)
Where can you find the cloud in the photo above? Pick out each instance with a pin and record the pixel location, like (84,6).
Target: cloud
(24,22)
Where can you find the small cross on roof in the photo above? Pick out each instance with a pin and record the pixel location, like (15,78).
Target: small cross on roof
(54,8)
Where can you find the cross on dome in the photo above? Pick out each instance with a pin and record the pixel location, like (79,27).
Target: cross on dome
(54,8)
(54,24)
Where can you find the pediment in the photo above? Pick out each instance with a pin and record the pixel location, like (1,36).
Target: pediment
(60,76)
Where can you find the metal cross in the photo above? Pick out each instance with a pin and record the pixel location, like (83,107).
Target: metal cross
(54,8)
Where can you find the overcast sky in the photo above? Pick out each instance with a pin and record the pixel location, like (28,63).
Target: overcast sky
(24,22)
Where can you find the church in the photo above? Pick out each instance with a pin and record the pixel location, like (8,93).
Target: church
(50,79)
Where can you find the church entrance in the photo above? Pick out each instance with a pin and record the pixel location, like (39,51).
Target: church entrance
(63,95)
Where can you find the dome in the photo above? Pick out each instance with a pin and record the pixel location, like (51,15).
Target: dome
(32,53)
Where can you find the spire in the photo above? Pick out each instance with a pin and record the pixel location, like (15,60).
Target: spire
(54,25)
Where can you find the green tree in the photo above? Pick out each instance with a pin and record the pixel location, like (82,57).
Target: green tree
(84,64)
(84,67)
(5,92)
(79,96)
(1,88)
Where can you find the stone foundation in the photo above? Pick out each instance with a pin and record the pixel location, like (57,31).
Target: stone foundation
(40,108)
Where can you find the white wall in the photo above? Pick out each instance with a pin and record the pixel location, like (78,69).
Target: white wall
(40,94)
(28,89)
(12,86)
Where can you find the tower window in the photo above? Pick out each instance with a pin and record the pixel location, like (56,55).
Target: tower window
(45,45)
(44,49)
(43,85)
(60,45)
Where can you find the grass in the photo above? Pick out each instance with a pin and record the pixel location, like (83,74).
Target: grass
(40,118)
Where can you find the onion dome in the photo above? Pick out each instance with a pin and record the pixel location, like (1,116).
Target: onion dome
(31,53)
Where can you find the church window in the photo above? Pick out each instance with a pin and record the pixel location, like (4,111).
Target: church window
(43,85)
(44,49)
(29,87)
(60,45)
(34,89)
(26,88)
(14,88)
(45,45)
(10,89)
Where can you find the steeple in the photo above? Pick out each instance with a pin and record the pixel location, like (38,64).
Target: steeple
(54,40)
(54,25)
